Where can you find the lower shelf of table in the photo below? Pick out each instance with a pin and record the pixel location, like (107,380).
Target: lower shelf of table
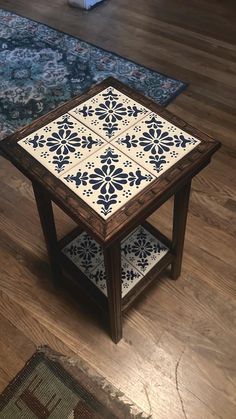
(145,253)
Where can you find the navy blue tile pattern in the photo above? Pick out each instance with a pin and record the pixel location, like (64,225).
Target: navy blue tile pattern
(109,113)
(107,179)
(61,144)
(155,143)
(140,251)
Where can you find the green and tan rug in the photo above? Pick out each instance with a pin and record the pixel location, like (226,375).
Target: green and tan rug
(56,387)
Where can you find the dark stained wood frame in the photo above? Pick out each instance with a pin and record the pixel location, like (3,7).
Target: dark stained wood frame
(45,210)
(175,181)
(181,201)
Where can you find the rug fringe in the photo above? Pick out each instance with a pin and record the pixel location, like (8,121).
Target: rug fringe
(111,391)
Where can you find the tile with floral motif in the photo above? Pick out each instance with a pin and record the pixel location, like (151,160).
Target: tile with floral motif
(61,144)
(142,249)
(106,180)
(87,255)
(155,143)
(84,252)
(109,113)
(129,277)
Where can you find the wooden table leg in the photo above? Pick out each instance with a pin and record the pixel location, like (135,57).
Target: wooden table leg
(112,260)
(181,201)
(44,205)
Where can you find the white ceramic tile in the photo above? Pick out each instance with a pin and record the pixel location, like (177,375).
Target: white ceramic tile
(129,277)
(61,144)
(143,250)
(140,251)
(155,143)
(106,180)
(85,252)
(109,113)
(87,255)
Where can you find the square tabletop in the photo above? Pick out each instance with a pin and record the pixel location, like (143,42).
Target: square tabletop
(109,157)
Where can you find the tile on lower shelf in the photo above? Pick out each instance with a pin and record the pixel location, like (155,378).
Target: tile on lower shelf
(140,251)
(155,143)
(84,252)
(130,276)
(106,180)
(143,250)
(61,144)
(109,113)
(87,255)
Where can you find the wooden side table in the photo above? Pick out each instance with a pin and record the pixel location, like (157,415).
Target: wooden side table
(110,158)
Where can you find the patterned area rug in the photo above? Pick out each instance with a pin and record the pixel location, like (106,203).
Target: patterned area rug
(55,387)
(40,68)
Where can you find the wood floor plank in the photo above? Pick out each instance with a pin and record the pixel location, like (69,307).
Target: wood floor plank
(15,350)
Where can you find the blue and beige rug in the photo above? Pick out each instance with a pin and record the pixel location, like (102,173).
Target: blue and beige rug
(40,68)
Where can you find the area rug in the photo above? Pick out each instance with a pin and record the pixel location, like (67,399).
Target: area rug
(40,68)
(55,387)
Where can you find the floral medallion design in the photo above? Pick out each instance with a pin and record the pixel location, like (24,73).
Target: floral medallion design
(109,113)
(155,143)
(129,277)
(84,252)
(140,251)
(106,179)
(61,144)
(143,249)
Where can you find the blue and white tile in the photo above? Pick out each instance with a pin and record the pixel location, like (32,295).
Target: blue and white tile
(109,113)
(61,144)
(87,255)
(84,252)
(140,251)
(143,250)
(155,143)
(130,276)
(106,180)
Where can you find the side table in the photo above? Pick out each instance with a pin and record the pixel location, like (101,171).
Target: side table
(110,158)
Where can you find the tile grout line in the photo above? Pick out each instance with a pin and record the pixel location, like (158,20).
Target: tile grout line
(103,139)
(120,206)
(98,135)
(59,176)
(81,160)
(96,267)
(161,172)
(111,141)
(123,131)
(155,238)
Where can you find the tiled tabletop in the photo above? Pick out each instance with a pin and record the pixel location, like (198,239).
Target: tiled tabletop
(108,149)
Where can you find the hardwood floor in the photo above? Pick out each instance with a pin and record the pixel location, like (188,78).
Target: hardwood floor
(177,359)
